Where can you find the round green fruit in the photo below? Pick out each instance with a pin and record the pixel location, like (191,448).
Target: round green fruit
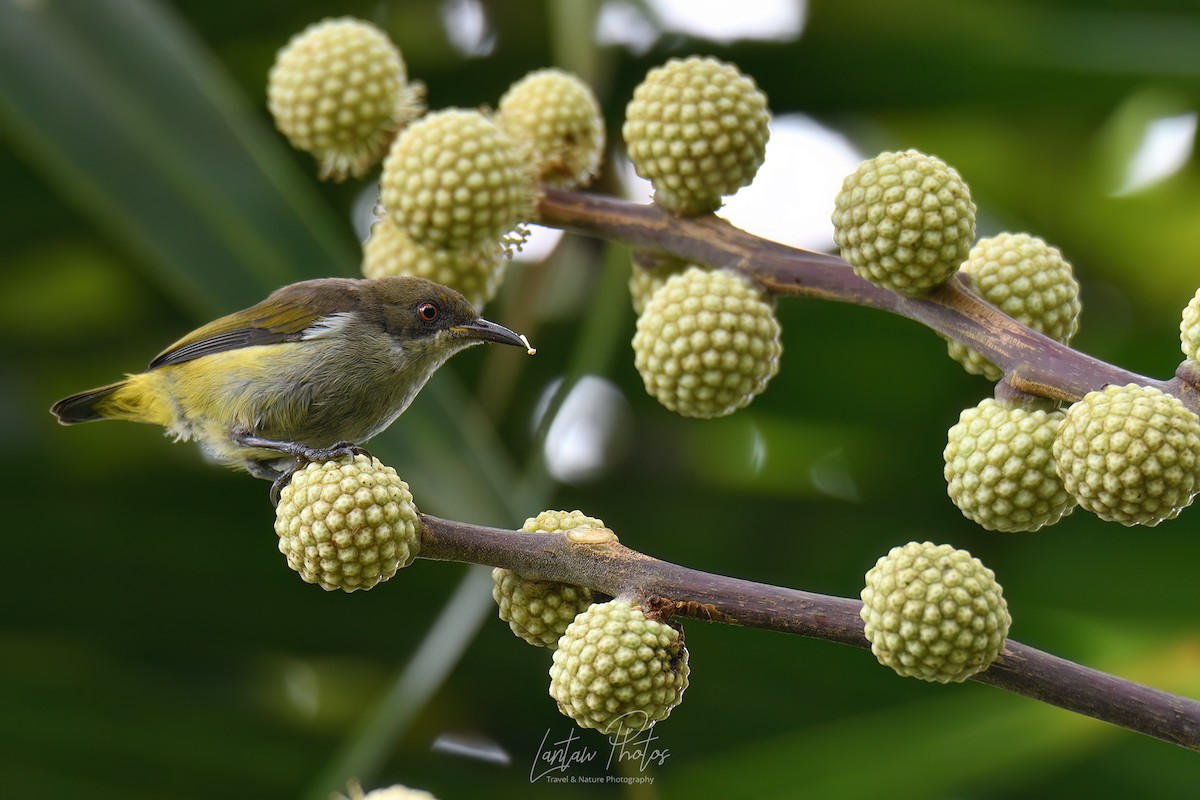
(339,91)
(617,671)
(540,611)
(934,613)
(904,221)
(558,117)
(707,342)
(347,524)
(1000,470)
(1130,454)
(1029,281)
(455,181)
(697,129)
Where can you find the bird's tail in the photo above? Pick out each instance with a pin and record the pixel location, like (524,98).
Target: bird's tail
(89,406)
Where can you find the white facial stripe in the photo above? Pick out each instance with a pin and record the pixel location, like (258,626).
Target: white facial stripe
(327,325)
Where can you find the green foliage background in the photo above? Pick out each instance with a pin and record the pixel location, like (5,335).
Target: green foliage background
(153,642)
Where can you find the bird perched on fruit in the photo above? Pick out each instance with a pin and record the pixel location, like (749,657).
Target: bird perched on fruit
(308,374)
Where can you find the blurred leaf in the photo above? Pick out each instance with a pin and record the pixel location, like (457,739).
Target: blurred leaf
(932,748)
(785,456)
(65,293)
(121,108)
(1118,142)
(367,747)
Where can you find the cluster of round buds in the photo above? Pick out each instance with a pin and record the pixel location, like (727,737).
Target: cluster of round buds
(1189,330)
(904,221)
(558,117)
(933,612)
(540,611)
(707,343)
(1000,470)
(1130,454)
(347,524)
(617,670)
(455,181)
(697,129)
(1027,279)
(475,273)
(339,91)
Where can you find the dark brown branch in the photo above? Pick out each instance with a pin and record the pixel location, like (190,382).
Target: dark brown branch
(1033,363)
(610,568)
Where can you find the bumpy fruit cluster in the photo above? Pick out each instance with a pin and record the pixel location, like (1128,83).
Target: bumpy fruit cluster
(904,221)
(455,181)
(697,129)
(347,524)
(618,671)
(1130,454)
(1189,330)
(1027,279)
(339,91)
(476,273)
(558,117)
(707,343)
(540,611)
(1000,470)
(933,612)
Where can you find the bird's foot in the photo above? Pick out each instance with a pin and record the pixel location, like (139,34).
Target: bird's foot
(303,456)
(284,479)
(338,450)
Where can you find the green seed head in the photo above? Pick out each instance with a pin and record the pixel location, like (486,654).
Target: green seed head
(1027,279)
(1130,454)
(339,91)
(617,671)
(1189,329)
(904,221)
(455,181)
(696,128)
(707,343)
(347,524)
(477,273)
(540,611)
(999,468)
(558,117)
(934,613)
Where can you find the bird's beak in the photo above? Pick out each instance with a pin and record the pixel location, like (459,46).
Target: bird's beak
(486,331)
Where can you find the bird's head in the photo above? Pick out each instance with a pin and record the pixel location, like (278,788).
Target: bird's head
(429,317)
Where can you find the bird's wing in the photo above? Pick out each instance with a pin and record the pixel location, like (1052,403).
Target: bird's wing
(277,319)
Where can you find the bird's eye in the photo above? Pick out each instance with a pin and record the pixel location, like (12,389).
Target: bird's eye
(428,312)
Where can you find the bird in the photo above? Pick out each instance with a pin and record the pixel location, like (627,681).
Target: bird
(310,373)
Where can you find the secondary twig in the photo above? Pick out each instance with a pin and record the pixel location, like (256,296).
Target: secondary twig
(611,568)
(1033,363)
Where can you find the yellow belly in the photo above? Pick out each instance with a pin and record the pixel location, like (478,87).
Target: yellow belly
(206,399)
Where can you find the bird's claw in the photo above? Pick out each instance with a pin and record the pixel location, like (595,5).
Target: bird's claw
(302,457)
(313,455)
(339,450)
